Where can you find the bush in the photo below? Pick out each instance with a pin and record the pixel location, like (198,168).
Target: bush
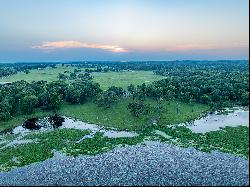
(139,108)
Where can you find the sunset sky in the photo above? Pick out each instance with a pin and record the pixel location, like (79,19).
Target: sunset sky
(64,30)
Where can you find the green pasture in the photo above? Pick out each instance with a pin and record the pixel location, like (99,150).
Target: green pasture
(47,74)
(124,78)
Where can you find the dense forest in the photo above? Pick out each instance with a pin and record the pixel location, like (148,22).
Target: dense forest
(217,84)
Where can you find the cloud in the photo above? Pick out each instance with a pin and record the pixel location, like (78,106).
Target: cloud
(48,46)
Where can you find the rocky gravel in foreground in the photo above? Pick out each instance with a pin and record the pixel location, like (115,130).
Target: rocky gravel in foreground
(152,164)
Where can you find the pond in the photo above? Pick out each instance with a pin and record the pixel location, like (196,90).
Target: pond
(212,122)
(50,123)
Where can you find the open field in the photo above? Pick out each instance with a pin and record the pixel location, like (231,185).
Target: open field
(125,78)
(47,74)
(122,79)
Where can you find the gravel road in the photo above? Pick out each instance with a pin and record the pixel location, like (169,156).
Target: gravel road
(152,164)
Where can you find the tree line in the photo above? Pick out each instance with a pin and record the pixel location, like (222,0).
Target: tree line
(22,97)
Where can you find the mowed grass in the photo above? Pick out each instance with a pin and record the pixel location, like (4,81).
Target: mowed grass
(125,78)
(118,116)
(47,74)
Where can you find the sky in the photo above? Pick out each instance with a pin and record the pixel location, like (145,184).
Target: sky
(123,30)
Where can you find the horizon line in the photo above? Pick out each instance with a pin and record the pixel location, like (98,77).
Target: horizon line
(83,61)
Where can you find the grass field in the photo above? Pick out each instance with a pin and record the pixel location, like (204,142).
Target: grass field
(121,79)
(119,117)
(48,74)
(125,78)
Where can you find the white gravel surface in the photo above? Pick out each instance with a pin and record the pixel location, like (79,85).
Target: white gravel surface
(152,164)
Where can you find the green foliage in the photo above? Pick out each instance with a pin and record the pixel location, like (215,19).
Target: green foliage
(62,76)
(117,90)
(72,76)
(40,149)
(229,139)
(28,103)
(106,99)
(55,100)
(5,110)
(219,84)
(23,97)
(138,108)
(74,96)
(139,95)
(131,88)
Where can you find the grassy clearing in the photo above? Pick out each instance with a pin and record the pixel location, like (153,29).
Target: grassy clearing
(47,74)
(119,117)
(121,79)
(125,78)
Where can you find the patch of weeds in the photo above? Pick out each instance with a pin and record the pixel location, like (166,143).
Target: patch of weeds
(233,140)
(41,149)
(64,140)
(100,143)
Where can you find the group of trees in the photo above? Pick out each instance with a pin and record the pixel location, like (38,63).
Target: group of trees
(110,96)
(24,97)
(218,85)
(139,108)
(75,75)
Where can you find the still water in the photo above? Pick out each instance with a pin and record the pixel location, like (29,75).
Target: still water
(215,121)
